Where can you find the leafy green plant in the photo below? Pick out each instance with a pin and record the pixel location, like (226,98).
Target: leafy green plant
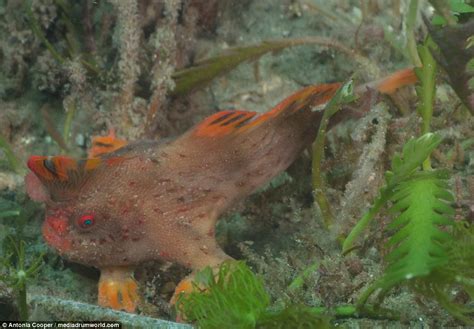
(450,10)
(446,283)
(427,250)
(418,241)
(404,167)
(16,274)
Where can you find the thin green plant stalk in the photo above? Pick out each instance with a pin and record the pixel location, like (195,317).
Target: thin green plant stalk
(411,41)
(351,311)
(68,123)
(37,31)
(427,90)
(343,95)
(14,163)
(361,225)
(299,280)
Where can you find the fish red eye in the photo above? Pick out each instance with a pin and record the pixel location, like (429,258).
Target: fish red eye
(86,221)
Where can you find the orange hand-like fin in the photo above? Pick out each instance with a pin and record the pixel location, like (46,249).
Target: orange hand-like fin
(105,144)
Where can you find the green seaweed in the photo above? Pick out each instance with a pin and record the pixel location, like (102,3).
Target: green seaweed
(418,240)
(297,317)
(203,72)
(11,160)
(35,27)
(71,36)
(404,166)
(233,296)
(455,275)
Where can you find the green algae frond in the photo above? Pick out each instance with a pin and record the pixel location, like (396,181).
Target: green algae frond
(234,296)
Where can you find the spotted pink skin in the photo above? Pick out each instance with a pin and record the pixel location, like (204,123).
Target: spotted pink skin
(55,230)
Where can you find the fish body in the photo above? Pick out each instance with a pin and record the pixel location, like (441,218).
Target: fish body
(160,200)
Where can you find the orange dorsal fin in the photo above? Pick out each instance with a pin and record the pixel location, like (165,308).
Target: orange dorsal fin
(105,144)
(238,121)
(223,123)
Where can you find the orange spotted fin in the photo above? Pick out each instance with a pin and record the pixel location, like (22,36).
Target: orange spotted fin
(105,144)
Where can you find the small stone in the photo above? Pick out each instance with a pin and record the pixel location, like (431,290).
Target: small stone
(80,140)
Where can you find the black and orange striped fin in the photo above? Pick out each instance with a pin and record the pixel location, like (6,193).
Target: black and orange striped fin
(61,175)
(224,123)
(60,167)
(228,122)
(105,144)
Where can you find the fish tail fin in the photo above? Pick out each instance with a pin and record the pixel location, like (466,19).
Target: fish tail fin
(393,82)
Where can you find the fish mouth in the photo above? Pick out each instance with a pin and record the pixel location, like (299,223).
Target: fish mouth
(56,238)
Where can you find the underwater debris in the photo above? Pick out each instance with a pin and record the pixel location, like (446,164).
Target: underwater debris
(128,37)
(58,309)
(366,172)
(455,54)
(164,44)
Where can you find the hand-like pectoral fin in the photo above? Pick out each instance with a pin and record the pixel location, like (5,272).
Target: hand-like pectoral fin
(118,289)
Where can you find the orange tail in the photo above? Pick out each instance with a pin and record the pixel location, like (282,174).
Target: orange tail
(394,81)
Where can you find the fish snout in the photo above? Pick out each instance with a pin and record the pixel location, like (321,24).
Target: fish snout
(55,231)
